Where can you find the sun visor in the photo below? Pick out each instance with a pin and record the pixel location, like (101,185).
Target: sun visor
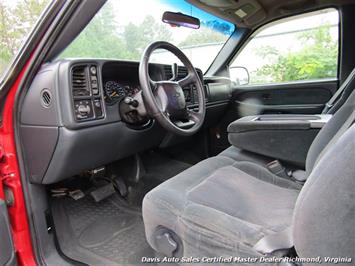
(244,13)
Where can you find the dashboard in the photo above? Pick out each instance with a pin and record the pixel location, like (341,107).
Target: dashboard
(71,119)
(97,89)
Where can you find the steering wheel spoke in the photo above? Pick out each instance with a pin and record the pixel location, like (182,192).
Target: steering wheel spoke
(161,98)
(184,124)
(194,116)
(186,80)
(153,84)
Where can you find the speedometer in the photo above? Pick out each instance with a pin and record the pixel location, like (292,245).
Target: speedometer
(113,92)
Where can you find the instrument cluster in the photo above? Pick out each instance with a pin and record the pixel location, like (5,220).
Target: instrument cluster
(115,91)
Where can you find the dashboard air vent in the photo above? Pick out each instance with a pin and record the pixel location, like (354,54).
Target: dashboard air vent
(182,72)
(46,98)
(79,81)
(168,72)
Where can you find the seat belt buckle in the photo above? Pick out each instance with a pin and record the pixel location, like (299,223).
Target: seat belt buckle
(276,167)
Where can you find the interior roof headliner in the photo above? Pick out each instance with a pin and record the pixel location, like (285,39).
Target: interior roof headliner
(265,10)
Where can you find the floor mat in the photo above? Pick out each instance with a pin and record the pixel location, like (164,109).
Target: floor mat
(158,169)
(162,167)
(104,233)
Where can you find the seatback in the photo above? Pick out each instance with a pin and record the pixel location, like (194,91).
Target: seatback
(329,131)
(324,215)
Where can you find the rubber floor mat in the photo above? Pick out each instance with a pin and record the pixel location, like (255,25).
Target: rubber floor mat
(104,233)
(158,169)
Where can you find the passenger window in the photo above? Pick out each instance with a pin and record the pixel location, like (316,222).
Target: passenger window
(299,49)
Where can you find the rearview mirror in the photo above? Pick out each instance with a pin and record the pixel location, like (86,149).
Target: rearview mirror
(240,75)
(180,20)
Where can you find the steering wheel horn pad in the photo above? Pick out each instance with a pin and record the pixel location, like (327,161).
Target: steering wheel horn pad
(172,99)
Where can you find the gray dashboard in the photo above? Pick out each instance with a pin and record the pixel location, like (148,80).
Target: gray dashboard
(67,124)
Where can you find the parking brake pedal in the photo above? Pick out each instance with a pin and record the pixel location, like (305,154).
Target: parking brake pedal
(103,192)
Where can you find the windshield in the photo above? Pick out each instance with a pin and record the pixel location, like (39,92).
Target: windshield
(123,28)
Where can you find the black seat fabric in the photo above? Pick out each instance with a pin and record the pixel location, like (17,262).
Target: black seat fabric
(223,206)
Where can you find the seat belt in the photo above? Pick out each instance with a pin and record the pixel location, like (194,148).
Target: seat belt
(277,168)
(273,242)
(337,94)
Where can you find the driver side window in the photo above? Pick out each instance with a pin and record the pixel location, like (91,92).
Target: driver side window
(303,48)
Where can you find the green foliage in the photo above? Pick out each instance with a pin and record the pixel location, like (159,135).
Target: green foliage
(202,36)
(212,31)
(317,59)
(16,21)
(99,39)
(103,38)
(136,38)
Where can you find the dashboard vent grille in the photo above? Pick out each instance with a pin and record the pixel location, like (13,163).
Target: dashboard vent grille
(168,72)
(182,72)
(46,98)
(79,81)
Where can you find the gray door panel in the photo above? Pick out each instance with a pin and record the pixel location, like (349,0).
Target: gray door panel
(287,98)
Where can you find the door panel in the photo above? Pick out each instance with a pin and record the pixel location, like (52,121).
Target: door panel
(286,98)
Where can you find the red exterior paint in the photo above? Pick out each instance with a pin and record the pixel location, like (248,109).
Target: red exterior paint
(10,174)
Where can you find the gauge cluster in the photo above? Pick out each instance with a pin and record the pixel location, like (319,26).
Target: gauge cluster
(115,91)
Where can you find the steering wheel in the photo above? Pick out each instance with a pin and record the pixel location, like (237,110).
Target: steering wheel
(165,100)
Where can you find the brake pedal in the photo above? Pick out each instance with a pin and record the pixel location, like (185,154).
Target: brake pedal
(103,192)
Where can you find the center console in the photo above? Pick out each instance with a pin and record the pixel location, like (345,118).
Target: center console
(283,137)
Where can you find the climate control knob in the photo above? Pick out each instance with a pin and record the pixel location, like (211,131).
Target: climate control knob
(84,109)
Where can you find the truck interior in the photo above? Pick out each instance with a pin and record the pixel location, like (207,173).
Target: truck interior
(179,153)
